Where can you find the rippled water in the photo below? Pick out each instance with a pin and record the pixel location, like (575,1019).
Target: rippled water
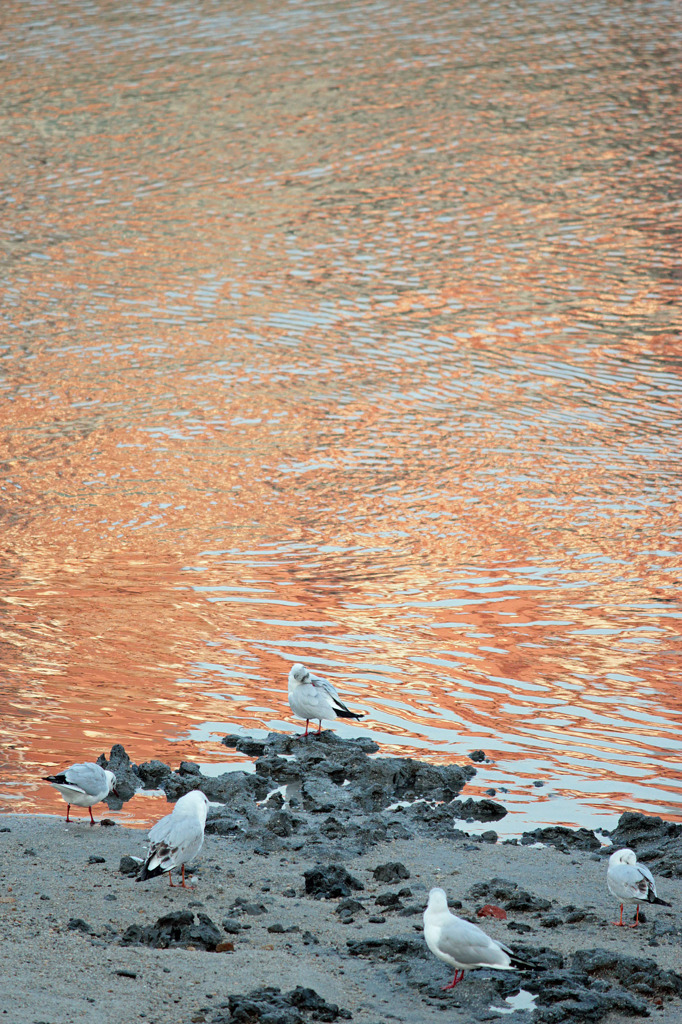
(344,333)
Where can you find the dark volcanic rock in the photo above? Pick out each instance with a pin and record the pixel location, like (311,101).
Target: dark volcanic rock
(477,755)
(481,810)
(129,866)
(628,970)
(591,987)
(226,788)
(330,882)
(395,948)
(127,779)
(508,895)
(77,924)
(152,774)
(656,842)
(272,1006)
(176,929)
(563,838)
(394,871)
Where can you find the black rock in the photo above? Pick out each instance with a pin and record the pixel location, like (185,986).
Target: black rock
(395,948)
(489,837)
(390,900)
(250,747)
(508,895)
(479,810)
(152,773)
(127,974)
(94,859)
(175,929)
(129,866)
(77,924)
(127,779)
(348,906)
(477,755)
(658,843)
(231,925)
(244,906)
(563,838)
(231,740)
(330,882)
(394,871)
(189,768)
(272,1006)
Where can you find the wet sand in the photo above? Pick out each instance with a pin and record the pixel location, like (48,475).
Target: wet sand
(67,908)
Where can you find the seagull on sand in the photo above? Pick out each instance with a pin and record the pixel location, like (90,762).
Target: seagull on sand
(177,838)
(313,697)
(463,945)
(83,785)
(631,882)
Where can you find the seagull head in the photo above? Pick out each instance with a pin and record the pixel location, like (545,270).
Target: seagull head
(111,779)
(623,857)
(193,803)
(298,674)
(438,902)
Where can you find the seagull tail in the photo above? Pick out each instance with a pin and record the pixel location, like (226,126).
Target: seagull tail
(657,899)
(346,713)
(54,778)
(145,873)
(521,964)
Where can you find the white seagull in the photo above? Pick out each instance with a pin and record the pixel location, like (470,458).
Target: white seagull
(631,882)
(461,944)
(177,838)
(313,697)
(83,785)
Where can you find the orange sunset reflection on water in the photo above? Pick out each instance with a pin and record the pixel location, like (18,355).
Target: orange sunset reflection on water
(350,336)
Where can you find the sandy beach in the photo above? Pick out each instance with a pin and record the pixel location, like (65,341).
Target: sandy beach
(68,910)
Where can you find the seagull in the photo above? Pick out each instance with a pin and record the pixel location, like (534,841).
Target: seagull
(631,882)
(177,838)
(83,785)
(313,697)
(461,944)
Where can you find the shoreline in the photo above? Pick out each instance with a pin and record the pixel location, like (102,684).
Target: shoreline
(69,912)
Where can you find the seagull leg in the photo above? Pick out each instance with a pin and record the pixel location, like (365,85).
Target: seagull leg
(636,918)
(68,808)
(170,880)
(455,981)
(319,728)
(183,880)
(92,820)
(307,722)
(619,923)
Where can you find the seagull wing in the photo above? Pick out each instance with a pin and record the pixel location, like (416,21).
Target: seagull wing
(331,691)
(174,844)
(470,946)
(87,778)
(631,882)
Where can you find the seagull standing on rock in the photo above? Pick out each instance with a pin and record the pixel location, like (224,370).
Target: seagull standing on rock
(631,882)
(83,785)
(464,945)
(177,838)
(311,697)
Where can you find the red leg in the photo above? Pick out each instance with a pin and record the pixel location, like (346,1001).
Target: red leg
(68,808)
(455,981)
(619,923)
(170,880)
(92,820)
(636,918)
(307,722)
(319,728)
(183,880)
